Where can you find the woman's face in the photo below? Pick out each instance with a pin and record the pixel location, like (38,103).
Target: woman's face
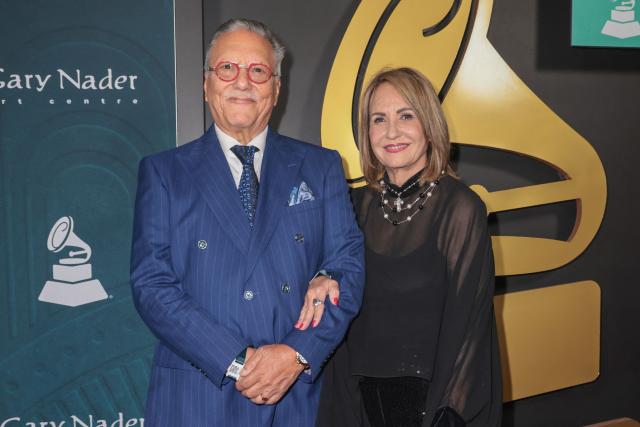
(396,135)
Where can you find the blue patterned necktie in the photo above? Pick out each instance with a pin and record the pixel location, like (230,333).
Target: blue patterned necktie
(248,187)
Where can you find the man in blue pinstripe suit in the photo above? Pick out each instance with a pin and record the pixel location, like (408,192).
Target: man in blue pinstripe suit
(228,232)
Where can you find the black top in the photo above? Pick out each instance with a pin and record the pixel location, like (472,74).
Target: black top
(427,309)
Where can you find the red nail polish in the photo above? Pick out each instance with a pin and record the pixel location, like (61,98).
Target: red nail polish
(315,323)
(335,301)
(298,325)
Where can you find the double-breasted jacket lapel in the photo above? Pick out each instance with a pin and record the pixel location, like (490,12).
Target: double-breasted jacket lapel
(280,166)
(208,167)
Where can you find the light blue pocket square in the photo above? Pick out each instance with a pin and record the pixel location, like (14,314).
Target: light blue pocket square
(299,194)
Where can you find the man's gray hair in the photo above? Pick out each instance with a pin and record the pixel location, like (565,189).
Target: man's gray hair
(255,27)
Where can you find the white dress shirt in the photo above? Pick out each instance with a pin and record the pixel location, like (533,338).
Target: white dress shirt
(226,142)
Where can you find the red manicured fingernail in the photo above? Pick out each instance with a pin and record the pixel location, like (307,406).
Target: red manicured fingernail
(335,301)
(314,323)
(297,325)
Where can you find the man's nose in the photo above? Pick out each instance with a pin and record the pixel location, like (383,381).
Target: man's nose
(242,81)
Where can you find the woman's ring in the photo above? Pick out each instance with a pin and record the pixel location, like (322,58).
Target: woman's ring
(317,302)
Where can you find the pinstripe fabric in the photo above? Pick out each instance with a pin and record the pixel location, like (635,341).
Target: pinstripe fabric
(208,285)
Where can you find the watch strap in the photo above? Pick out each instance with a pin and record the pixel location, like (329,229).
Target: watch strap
(300,360)
(233,371)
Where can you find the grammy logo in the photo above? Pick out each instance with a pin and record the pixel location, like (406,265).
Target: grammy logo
(72,283)
(623,23)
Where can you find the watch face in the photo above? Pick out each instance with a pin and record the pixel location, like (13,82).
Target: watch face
(234,370)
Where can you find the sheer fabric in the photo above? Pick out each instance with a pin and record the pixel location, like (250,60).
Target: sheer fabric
(427,311)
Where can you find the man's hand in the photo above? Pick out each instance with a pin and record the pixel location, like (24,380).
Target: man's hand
(250,351)
(268,373)
(319,288)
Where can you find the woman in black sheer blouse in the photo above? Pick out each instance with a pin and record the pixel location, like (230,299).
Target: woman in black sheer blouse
(423,350)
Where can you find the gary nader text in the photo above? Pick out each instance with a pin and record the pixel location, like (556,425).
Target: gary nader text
(75,79)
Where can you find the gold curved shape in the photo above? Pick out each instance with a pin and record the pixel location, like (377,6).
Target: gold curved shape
(489,106)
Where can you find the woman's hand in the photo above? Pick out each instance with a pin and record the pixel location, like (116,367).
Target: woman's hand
(319,288)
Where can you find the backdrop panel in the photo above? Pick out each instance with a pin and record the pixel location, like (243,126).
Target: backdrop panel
(86,90)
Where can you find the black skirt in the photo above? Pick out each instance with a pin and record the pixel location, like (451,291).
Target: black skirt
(392,402)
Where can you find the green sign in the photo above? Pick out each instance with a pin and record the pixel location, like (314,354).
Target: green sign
(86,90)
(605,23)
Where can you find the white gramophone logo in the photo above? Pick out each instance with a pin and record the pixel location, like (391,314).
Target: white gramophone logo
(72,284)
(623,23)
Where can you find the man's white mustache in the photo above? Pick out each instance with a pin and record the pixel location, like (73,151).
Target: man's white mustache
(242,95)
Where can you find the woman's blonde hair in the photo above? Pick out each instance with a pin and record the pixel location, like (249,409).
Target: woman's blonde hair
(418,92)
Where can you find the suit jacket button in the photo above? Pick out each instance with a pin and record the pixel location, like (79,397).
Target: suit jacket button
(202,244)
(298,237)
(248,295)
(286,288)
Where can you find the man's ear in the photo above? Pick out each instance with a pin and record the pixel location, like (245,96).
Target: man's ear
(204,87)
(277,88)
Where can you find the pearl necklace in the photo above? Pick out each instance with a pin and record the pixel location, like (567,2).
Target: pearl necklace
(400,194)
(400,205)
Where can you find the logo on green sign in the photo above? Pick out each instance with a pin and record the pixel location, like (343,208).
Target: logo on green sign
(607,23)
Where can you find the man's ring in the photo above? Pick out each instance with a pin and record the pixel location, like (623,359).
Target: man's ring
(317,302)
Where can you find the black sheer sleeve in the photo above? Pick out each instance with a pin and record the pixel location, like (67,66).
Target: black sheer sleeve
(466,375)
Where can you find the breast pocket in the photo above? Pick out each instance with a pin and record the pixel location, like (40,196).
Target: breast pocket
(303,226)
(304,206)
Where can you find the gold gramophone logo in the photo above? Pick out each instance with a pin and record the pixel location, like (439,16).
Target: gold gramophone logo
(549,336)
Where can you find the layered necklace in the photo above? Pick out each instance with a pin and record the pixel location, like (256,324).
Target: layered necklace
(393,208)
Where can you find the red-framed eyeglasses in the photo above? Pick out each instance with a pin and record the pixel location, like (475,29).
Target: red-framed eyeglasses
(257,73)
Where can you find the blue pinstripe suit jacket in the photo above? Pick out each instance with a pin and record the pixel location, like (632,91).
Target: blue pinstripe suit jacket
(208,285)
